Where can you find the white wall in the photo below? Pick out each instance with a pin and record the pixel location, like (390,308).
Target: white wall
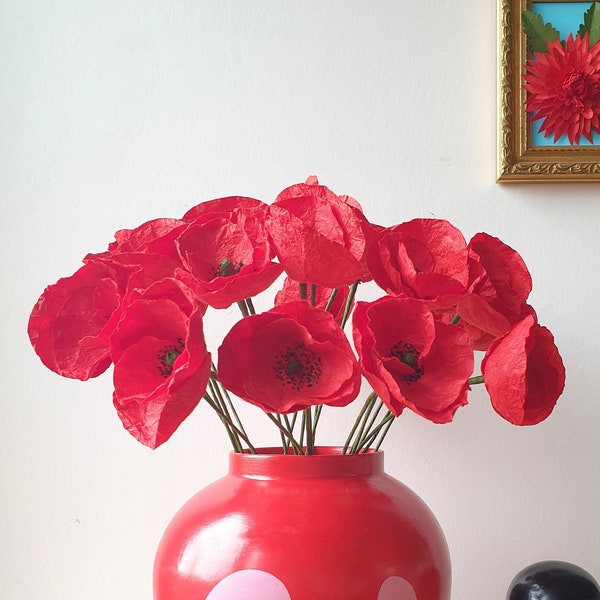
(116,112)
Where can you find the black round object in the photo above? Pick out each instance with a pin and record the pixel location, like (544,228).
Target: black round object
(553,580)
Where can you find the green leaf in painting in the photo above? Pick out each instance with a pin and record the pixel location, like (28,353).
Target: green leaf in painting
(538,32)
(591,24)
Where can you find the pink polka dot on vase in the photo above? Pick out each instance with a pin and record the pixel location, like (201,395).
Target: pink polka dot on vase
(396,588)
(250,584)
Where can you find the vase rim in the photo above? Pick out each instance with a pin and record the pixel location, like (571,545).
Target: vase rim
(327,461)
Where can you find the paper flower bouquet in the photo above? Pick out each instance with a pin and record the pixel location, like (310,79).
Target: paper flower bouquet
(141,304)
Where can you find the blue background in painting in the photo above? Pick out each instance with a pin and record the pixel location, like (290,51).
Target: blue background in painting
(566,17)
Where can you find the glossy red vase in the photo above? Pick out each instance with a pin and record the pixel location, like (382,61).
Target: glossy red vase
(323,527)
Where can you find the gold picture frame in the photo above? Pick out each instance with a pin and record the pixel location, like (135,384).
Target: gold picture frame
(518,159)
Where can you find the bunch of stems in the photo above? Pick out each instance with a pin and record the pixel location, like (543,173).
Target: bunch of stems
(370,427)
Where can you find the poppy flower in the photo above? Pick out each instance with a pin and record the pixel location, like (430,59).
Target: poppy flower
(68,325)
(291,291)
(411,359)
(152,237)
(228,258)
(499,286)
(524,373)
(422,258)
(225,206)
(161,364)
(563,88)
(289,358)
(319,238)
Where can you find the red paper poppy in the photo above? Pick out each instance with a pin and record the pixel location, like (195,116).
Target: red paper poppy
(320,238)
(68,324)
(524,373)
(228,258)
(225,206)
(423,258)
(291,292)
(289,358)
(153,237)
(500,284)
(411,359)
(161,364)
(563,88)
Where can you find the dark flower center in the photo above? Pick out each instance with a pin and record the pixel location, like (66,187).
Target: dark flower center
(167,357)
(227,268)
(298,367)
(406,353)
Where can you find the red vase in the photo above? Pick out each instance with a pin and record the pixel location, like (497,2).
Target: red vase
(329,526)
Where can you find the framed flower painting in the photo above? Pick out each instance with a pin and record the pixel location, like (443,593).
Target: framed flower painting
(548,91)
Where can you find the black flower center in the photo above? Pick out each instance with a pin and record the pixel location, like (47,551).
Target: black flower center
(167,357)
(298,367)
(227,267)
(409,355)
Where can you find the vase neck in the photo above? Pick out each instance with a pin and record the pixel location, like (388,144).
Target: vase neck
(326,462)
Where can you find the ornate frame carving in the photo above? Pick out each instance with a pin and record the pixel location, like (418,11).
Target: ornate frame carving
(518,160)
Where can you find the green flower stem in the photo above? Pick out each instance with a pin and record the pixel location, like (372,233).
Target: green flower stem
(318,411)
(303,291)
(302,428)
(226,401)
(243,308)
(384,425)
(230,427)
(368,427)
(308,425)
(384,432)
(455,319)
(313,294)
(368,403)
(334,293)
(285,443)
(250,306)
(218,403)
(290,425)
(360,435)
(476,379)
(288,434)
(349,300)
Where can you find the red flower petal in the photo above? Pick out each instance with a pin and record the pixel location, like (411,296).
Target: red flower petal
(410,359)
(291,292)
(524,373)
(228,259)
(161,368)
(423,258)
(289,358)
(67,324)
(319,238)
(225,206)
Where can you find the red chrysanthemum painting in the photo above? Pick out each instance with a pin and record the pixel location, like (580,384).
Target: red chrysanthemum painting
(563,88)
